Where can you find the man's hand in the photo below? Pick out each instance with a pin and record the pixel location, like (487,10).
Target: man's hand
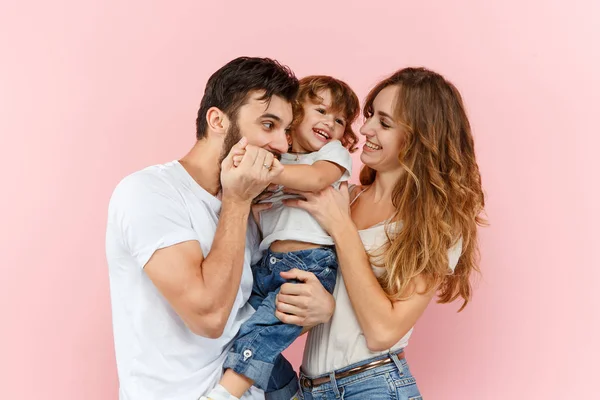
(306,303)
(257,168)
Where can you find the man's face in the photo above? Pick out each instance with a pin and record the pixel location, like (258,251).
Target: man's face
(264,123)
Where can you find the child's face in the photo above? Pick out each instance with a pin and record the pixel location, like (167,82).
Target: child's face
(319,126)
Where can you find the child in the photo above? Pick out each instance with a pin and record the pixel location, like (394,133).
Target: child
(320,141)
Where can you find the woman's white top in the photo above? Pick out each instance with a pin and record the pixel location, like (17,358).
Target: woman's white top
(341,342)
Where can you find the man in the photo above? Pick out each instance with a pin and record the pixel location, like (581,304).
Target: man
(179,242)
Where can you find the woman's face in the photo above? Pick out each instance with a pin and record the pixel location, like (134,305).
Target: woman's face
(384,134)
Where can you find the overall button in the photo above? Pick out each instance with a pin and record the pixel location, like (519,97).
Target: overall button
(272,260)
(247,354)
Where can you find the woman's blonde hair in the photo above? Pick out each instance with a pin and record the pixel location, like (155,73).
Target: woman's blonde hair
(439,198)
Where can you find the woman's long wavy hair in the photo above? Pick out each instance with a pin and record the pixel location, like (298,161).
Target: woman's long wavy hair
(439,199)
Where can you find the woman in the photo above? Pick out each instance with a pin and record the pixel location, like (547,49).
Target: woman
(409,232)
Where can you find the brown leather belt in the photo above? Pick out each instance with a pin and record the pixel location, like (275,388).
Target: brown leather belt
(311,383)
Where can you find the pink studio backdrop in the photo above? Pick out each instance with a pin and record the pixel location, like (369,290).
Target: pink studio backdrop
(93,90)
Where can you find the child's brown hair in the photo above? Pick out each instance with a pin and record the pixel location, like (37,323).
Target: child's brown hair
(343,99)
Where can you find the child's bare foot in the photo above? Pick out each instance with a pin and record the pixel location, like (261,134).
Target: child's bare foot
(219,393)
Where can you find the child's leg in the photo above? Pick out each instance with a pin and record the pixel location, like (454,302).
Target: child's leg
(259,345)
(256,352)
(236,384)
(323,263)
(281,376)
(283,383)
(232,385)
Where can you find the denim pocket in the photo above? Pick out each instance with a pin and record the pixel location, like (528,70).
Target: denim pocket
(406,389)
(403,382)
(314,260)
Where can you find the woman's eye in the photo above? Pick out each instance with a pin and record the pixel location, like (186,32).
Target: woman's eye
(268,125)
(382,122)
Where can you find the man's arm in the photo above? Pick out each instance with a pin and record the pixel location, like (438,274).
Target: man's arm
(202,290)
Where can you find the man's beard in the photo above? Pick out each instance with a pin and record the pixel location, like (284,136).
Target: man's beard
(233,136)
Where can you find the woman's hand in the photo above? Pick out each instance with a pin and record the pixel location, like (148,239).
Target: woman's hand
(306,303)
(330,207)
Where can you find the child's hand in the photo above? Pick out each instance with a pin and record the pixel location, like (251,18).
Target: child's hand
(237,159)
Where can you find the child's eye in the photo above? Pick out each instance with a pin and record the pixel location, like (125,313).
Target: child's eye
(268,125)
(340,121)
(321,110)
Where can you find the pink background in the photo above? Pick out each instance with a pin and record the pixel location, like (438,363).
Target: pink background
(91,91)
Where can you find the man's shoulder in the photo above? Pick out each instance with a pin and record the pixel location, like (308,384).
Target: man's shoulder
(156,177)
(144,185)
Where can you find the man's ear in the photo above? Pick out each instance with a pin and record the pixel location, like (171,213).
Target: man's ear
(217,121)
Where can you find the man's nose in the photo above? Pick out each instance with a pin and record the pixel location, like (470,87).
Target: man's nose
(279,143)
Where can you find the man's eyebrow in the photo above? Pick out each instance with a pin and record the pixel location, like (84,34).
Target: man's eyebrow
(272,116)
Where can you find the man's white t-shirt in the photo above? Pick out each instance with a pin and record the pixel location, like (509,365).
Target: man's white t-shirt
(158,357)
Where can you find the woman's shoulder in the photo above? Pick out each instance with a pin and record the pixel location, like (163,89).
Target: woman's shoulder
(355,190)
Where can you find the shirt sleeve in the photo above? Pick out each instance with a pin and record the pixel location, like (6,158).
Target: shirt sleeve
(336,153)
(149,215)
(454,254)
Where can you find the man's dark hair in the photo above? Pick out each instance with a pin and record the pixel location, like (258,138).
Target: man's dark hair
(228,88)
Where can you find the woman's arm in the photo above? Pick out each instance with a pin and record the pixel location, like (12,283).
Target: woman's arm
(383,321)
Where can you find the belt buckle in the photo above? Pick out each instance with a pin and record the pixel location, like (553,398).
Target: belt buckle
(305,382)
